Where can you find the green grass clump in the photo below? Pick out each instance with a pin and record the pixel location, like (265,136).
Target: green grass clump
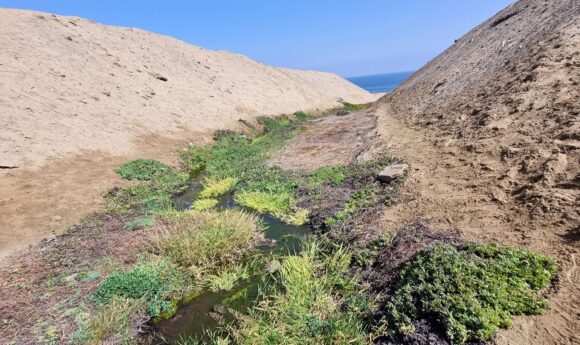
(113,323)
(226,279)
(313,302)
(333,175)
(469,290)
(213,187)
(280,205)
(206,240)
(204,204)
(141,169)
(152,281)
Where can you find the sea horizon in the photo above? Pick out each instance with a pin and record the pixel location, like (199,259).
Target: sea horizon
(383,82)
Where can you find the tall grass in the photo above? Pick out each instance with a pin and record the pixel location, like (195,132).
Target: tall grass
(313,302)
(115,323)
(205,240)
(226,279)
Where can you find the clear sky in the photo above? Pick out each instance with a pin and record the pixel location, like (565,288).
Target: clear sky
(348,37)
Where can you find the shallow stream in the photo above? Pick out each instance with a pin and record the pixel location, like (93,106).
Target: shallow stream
(211,309)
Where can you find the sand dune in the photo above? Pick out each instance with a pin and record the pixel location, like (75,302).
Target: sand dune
(69,84)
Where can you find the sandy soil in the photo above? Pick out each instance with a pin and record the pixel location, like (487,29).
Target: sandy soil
(78,98)
(38,204)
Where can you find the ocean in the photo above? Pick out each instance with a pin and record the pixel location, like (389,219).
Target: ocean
(380,82)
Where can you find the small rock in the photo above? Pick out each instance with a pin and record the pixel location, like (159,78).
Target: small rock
(391,172)
(342,112)
(272,266)
(71,278)
(220,309)
(498,195)
(570,145)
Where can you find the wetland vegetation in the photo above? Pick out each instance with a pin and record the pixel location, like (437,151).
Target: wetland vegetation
(313,290)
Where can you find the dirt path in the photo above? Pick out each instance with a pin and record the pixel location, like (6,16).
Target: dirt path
(451,191)
(38,204)
(330,140)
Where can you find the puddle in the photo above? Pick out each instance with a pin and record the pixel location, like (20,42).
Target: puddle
(212,309)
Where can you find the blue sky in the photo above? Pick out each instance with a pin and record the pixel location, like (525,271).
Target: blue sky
(348,37)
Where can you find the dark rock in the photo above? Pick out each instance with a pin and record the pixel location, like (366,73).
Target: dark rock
(342,112)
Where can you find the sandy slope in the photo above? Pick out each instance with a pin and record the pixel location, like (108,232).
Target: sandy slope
(77,98)
(491,130)
(69,84)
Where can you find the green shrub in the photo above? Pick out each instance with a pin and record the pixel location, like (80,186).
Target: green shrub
(149,196)
(204,204)
(470,290)
(142,169)
(302,116)
(273,124)
(206,240)
(152,281)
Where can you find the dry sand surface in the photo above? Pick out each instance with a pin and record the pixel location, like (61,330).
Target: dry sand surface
(77,98)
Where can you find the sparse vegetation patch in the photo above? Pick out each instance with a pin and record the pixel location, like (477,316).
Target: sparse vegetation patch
(141,169)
